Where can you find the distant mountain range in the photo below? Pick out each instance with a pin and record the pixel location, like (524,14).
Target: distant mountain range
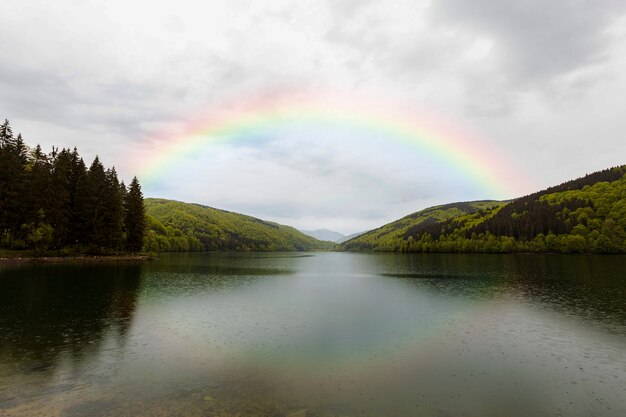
(330,235)
(325,234)
(586,215)
(352,236)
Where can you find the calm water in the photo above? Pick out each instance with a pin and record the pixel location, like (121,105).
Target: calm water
(330,334)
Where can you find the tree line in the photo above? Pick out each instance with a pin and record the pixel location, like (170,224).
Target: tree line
(52,201)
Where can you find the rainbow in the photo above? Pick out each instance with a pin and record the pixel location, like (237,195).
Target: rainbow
(456,150)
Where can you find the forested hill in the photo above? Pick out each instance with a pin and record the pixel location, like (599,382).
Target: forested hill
(587,215)
(394,236)
(176,226)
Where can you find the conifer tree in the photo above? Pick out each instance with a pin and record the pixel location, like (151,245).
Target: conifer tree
(13,154)
(6,133)
(135,217)
(124,195)
(38,178)
(78,195)
(93,208)
(113,212)
(60,210)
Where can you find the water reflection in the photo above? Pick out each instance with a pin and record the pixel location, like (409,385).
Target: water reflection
(581,287)
(332,334)
(57,318)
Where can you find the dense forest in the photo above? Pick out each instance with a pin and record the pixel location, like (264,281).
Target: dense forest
(586,215)
(52,201)
(175,226)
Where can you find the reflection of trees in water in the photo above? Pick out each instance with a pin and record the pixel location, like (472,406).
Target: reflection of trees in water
(50,313)
(589,287)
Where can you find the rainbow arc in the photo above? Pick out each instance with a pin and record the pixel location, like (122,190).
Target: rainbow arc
(452,148)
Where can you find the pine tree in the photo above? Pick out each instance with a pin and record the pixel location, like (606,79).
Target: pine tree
(124,195)
(38,178)
(135,217)
(113,211)
(59,211)
(91,208)
(13,154)
(78,233)
(6,134)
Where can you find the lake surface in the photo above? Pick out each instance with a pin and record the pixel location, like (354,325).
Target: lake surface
(328,334)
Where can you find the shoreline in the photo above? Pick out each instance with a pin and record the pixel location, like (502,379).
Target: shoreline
(75,259)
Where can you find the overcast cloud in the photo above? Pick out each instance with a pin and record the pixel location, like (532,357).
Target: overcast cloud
(543,83)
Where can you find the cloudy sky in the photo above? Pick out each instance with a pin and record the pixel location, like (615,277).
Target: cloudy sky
(536,89)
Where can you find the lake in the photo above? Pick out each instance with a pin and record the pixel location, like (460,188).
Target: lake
(316,334)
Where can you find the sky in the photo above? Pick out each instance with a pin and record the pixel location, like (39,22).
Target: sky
(514,97)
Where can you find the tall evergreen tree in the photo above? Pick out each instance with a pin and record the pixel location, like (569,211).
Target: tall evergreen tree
(59,211)
(38,178)
(5,136)
(92,208)
(6,133)
(13,154)
(78,233)
(113,211)
(135,221)
(124,195)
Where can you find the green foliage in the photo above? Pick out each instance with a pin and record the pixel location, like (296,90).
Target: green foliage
(38,235)
(176,226)
(587,215)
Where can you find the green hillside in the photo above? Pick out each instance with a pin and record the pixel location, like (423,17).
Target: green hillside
(176,226)
(395,236)
(584,215)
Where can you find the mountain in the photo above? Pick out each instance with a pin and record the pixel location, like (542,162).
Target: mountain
(352,236)
(587,215)
(176,226)
(331,235)
(325,234)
